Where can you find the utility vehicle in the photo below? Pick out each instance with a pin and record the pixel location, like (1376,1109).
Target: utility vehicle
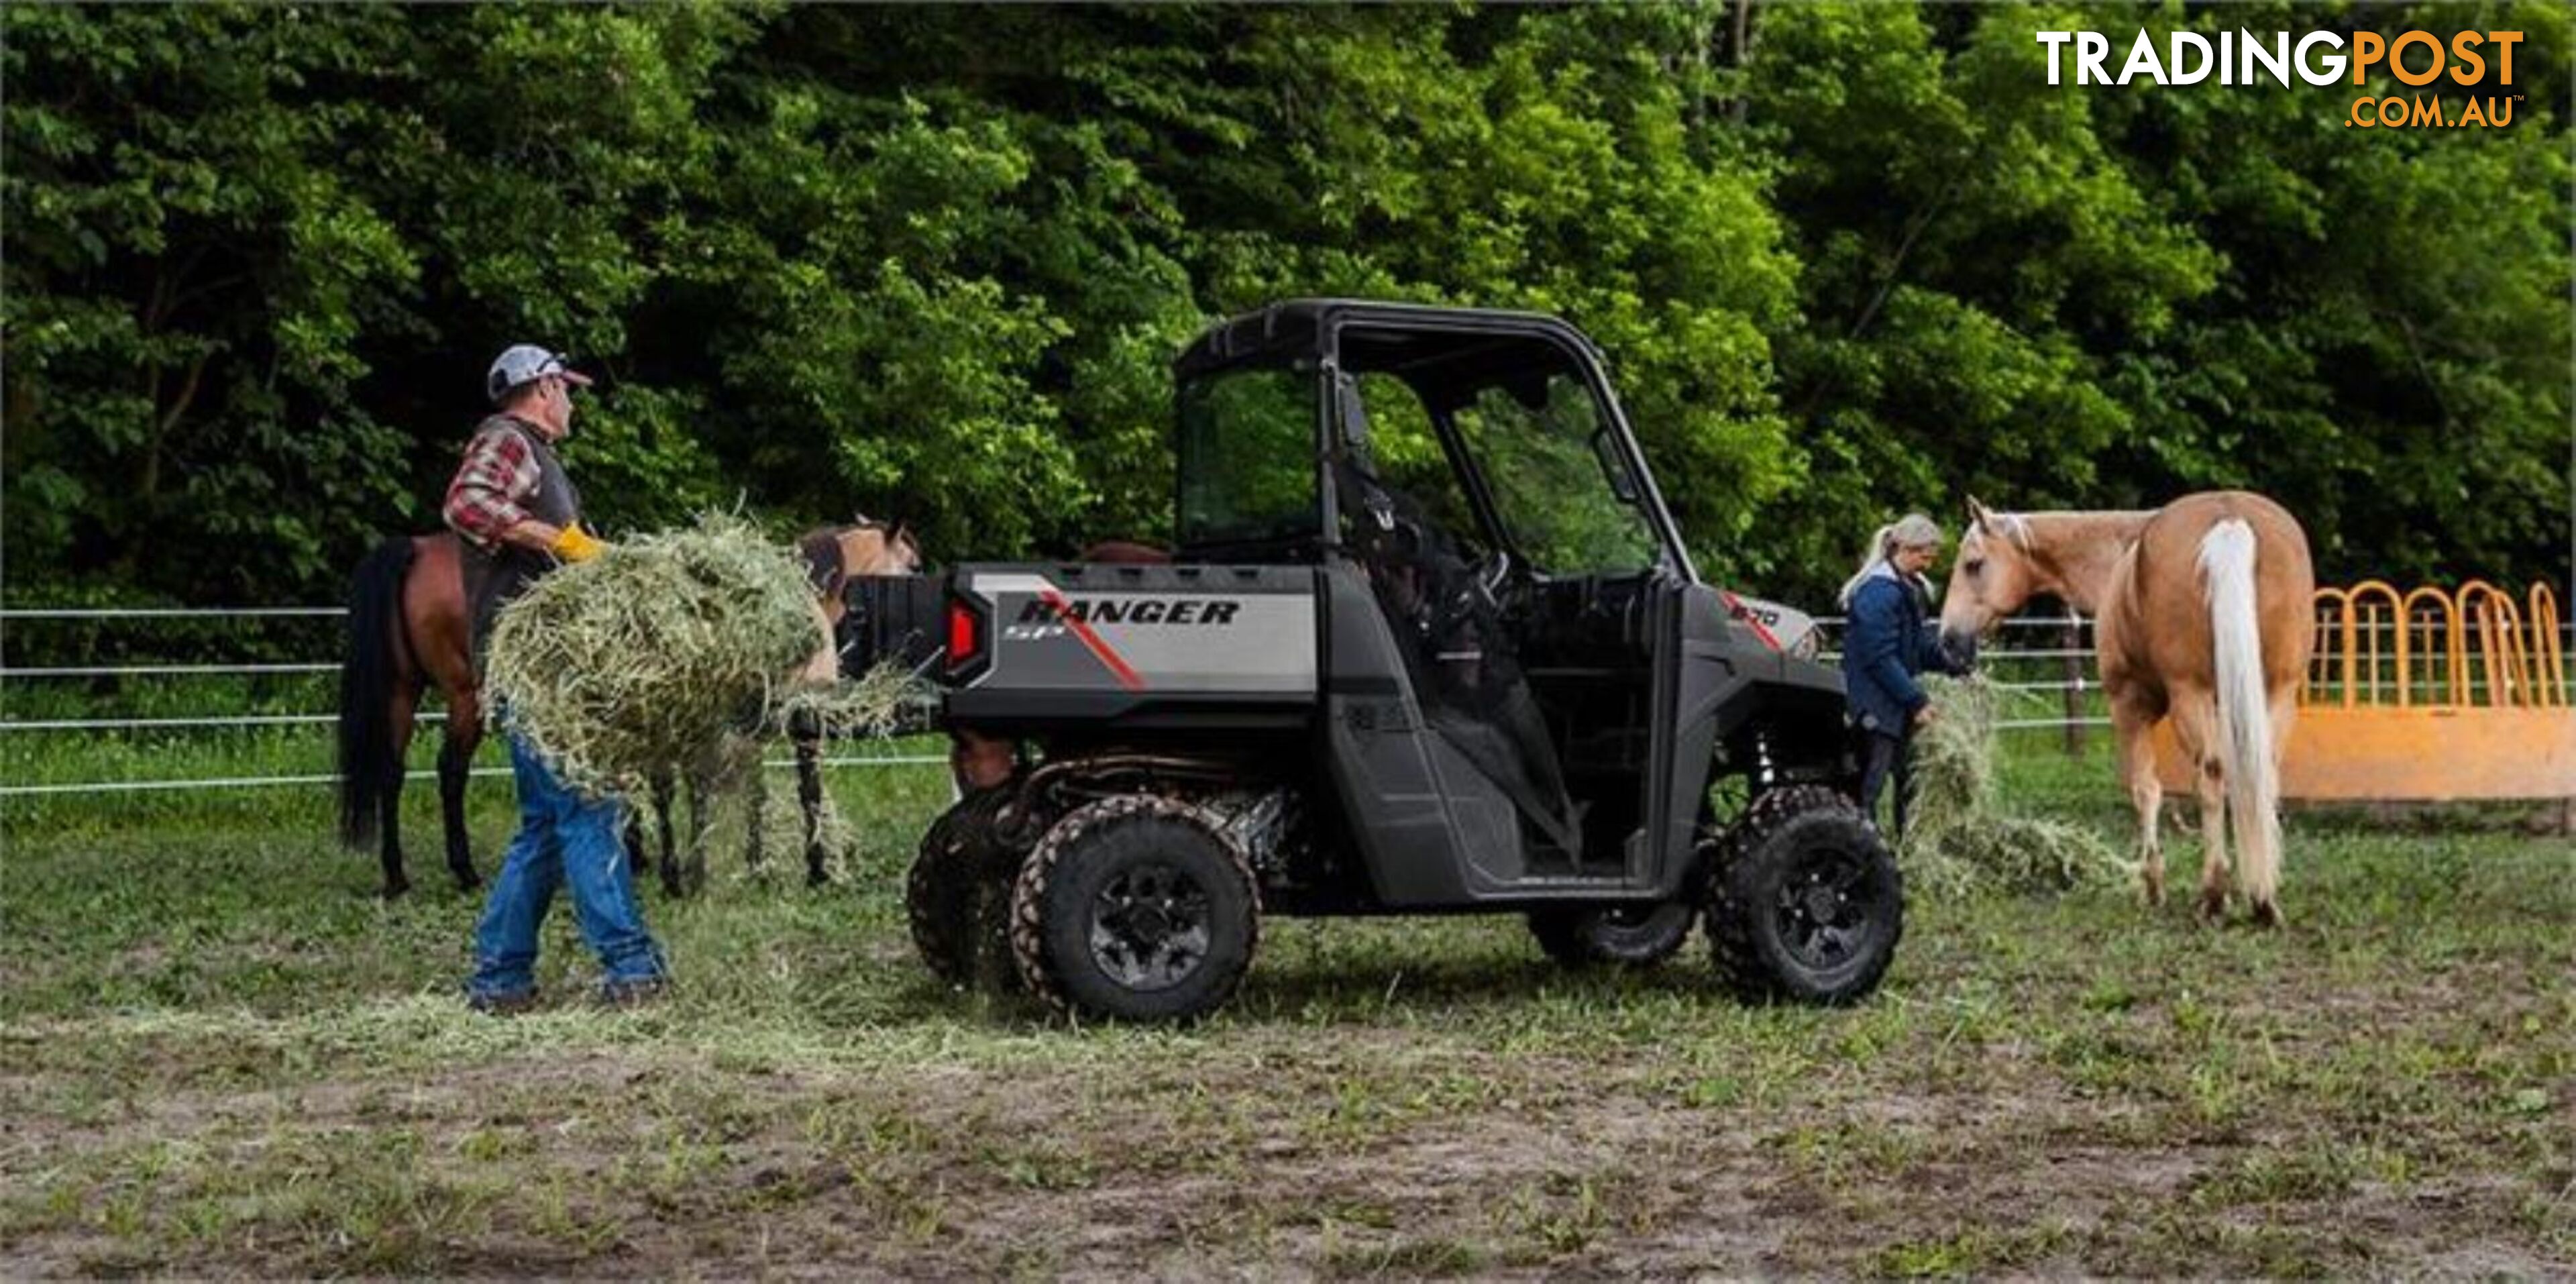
(1428,642)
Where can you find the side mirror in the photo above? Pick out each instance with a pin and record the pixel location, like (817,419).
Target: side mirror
(1613,467)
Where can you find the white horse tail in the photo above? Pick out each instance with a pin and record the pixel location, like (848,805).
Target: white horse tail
(2244,709)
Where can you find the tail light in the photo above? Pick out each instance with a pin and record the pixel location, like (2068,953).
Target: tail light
(965,635)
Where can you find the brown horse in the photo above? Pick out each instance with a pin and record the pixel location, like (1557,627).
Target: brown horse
(407,630)
(2202,614)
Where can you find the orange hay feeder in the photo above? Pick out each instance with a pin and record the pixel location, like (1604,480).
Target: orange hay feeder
(2427,696)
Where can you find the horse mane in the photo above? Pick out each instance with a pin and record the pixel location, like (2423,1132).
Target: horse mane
(2074,567)
(2014,528)
(821,549)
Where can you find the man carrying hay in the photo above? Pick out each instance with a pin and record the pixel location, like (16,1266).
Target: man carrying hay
(520,518)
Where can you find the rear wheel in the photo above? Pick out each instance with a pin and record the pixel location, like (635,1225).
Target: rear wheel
(1622,935)
(956,897)
(1805,902)
(1136,909)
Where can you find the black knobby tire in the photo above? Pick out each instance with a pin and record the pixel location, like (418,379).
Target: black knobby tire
(1622,936)
(953,899)
(1805,902)
(1135,908)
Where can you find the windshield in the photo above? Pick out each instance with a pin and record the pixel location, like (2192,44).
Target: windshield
(1247,456)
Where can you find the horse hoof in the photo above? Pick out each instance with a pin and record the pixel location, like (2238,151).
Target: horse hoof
(394,891)
(2213,906)
(2267,915)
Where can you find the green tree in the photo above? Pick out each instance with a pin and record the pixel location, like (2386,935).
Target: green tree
(2387,348)
(934,262)
(258,255)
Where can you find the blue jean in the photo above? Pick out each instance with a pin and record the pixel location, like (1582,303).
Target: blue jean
(564,840)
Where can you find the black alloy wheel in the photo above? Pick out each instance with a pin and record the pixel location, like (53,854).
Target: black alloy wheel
(1135,908)
(1805,902)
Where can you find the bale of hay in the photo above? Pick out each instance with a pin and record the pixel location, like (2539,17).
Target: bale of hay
(1959,838)
(667,654)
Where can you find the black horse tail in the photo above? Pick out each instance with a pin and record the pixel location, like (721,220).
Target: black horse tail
(367,763)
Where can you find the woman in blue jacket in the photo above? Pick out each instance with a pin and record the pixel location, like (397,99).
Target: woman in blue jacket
(1887,642)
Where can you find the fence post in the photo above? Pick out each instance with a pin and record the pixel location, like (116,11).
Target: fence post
(2072,642)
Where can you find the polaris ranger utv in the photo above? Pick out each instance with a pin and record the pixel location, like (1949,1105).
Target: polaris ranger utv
(1429,643)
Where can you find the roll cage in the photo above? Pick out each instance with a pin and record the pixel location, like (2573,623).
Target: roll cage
(1447,357)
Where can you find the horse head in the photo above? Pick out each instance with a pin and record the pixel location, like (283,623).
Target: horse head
(1993,576)
(833,554)
(880,548)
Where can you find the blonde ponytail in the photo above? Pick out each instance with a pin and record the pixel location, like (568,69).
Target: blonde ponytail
(1914,530)
(1871,558)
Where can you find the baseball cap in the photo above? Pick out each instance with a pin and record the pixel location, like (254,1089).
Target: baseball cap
(524,362)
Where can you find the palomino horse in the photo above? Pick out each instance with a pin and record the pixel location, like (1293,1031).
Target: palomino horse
(2202,613)
(407,630)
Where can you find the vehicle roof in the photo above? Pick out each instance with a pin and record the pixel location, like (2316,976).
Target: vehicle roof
(1295,327)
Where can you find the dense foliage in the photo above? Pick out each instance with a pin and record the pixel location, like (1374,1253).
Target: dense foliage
(934,262)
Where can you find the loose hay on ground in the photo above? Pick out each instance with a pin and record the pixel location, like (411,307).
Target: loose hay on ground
(1959,837)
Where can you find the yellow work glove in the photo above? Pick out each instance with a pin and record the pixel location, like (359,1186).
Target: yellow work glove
(573,544)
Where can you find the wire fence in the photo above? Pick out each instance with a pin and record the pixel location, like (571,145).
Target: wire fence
(15,726)
(2066,693)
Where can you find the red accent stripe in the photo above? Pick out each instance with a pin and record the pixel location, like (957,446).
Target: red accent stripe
(1064,611)
(1735,607)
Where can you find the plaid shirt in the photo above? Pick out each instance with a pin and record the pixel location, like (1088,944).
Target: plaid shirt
(493,485)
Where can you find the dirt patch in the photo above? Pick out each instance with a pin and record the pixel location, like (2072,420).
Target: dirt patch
(969,1171)
(2064,1086)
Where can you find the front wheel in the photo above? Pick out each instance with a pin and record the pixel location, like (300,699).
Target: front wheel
(1137,909)
(1805,902)
(1622,935)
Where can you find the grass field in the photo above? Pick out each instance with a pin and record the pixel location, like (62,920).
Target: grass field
(223,1055)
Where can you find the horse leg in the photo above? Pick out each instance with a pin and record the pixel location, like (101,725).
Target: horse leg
(2212,784)
(638,844)
(2134,725)
(638,859)
(663,801)
(402,709)
(755,805)
(693,870)
(809,796)
(455,767)
(2195,719)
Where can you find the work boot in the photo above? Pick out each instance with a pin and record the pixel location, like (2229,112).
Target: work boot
(636,993)
(506,1004)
